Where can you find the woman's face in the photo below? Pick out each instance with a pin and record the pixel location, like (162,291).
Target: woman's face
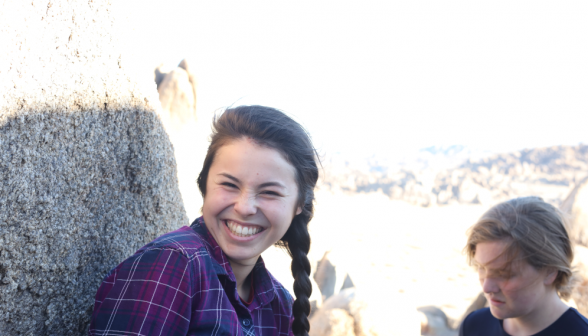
(250,201)
(511,293)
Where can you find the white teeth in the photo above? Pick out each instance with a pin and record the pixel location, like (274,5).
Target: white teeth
(242,231)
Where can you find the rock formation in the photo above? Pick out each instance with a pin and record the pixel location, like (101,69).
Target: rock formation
(177,92)
(545,172)
(184,64)
(159,74)
(371,312)
(332,322)
(87,172)
(330,275)
(435,322)
(576,207)
(580,293)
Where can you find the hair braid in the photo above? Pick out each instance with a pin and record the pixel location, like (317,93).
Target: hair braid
(297,241)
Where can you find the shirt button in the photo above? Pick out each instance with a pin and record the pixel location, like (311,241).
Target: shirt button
(246,322)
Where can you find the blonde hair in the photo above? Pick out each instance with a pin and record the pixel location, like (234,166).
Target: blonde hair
(535,232)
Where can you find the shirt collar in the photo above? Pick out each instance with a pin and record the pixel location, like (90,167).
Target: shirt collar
(265,290)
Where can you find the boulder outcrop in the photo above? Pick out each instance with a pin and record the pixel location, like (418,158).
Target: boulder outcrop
(546,172)
(580,292)
(177,93)
(435,323)
(185,64)
(332,322)
(576,207)
(330,275)
(372,313)
(87,172)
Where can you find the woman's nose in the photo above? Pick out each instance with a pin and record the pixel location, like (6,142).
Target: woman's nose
(246,204)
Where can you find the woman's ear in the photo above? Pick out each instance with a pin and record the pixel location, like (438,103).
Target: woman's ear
(550,277)
(298,211)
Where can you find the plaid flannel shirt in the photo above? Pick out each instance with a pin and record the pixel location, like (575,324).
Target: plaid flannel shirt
(182,284)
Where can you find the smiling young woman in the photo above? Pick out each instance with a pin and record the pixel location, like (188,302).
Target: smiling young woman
(258,182)
(523,255)
(251,199)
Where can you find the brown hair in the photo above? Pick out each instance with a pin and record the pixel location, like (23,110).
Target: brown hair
(534,232)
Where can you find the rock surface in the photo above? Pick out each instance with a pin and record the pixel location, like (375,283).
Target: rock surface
(87,172)
(580,293)
(435,322)
(332,322)
(576,207)
(546,172)
(178,96)
(373,314)
(159,74)
(331,276)
(185,64)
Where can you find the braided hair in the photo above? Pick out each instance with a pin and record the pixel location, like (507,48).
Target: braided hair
(274,129)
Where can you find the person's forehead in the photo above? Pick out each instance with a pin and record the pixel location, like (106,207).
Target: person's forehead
(242,155)
(491,254)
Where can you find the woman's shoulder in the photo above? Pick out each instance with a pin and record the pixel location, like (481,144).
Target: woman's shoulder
(183,240)
(270,289)
(281,291)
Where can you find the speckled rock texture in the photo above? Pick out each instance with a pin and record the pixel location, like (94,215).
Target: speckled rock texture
(87,172)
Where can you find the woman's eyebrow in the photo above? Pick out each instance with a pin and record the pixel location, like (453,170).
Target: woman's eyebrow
(263,185)
(229,176)
(272,184)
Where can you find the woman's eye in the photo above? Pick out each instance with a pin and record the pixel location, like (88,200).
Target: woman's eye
(270,193)
(229,184)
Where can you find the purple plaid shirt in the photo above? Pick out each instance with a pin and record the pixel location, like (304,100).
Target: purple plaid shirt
(182,284)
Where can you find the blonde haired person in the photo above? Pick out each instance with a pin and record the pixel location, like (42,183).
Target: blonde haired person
(523,254)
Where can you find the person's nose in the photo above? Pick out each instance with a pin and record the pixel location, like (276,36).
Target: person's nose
(246,204)
(489,285)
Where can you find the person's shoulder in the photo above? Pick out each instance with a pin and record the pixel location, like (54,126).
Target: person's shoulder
(274,288)
(579,316)
(281,291)
(576,321)
(571,323)
(480,315)
(184,240)
(480,322)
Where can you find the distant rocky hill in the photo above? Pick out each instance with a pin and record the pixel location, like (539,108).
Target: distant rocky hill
(548,172)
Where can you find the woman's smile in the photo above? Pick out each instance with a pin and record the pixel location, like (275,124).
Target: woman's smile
(243,230)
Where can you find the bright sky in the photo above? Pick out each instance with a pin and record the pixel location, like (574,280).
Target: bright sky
(383,77)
